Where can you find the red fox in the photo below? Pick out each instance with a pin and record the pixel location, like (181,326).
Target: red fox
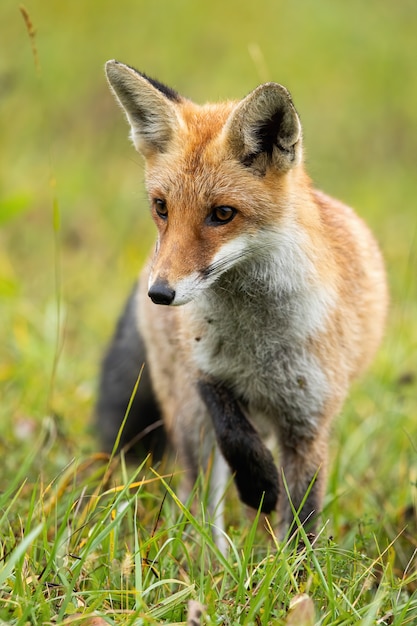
(274,298)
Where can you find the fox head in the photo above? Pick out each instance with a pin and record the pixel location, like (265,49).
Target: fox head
(218,176)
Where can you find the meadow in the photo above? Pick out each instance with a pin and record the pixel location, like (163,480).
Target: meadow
(88,539)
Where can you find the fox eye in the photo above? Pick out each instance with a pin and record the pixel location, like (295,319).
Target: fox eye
(221,215)
(161,208)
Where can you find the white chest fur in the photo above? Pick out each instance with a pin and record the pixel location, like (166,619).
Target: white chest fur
(251,331)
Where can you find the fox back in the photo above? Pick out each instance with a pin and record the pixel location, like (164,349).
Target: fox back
(263,299)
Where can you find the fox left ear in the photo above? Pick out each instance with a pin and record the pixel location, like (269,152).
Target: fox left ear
(150,107)
(264,130)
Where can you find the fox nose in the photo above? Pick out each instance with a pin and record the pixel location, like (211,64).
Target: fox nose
(161,293)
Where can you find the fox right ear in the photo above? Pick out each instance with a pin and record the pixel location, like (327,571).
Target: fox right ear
(149,107)
(264,130)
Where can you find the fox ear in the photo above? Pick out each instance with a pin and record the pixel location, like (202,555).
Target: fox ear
(264,130)
(148,104)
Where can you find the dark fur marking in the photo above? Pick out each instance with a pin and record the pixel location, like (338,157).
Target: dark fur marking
(168,92)
(268,134)
(249,159)
(308,514)
(255,474)
(120,369)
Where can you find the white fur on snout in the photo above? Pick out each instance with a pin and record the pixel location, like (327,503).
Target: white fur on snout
(187,288)
(150,280)
(229,254)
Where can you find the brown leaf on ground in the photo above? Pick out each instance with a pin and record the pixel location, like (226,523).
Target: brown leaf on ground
(195,613)
(301,611)
(81,620)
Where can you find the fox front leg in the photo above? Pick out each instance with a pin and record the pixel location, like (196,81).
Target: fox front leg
(303,467)
(252,464)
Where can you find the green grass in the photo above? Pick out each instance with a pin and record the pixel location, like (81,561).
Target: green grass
(82,548)
(74,231)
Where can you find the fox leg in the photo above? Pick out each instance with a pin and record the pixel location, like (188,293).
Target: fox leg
(218,483)
(303,461)
(195,444)
(250,461)
(218,479)
(122,364)
(303,466)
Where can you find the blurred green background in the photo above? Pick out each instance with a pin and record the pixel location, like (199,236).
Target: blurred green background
(74,225)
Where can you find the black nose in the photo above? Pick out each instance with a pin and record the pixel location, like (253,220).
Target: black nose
(161,293)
